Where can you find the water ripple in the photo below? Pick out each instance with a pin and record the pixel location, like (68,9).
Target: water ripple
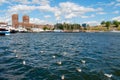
(99,51)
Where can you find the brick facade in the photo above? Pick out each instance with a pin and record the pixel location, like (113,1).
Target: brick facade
(26,23)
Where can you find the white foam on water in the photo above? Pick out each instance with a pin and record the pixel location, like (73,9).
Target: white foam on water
(59,62)
(16,55)
(79,70)
(24,62)
(83,61)
(54,56)
(108,75)
(62,77)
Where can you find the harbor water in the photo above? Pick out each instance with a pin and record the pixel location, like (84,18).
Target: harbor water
(56,56)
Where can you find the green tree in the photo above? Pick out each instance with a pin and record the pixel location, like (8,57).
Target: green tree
(59,26)
(45,28)
(108,23)
(103,23)
(116,23)
(76,26)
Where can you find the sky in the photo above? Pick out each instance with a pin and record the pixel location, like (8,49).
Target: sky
(59,11)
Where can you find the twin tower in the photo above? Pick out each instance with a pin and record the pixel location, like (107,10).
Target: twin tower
(16,23)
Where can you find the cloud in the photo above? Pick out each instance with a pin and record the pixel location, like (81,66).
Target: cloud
(118,0)
(57,14)
(28,8)
(6,19)
(21,1)
(88,16)
(116,12)
(92,23)
(70,10)
(37,21)
(46,8)
(71,15)
(3,1)
(111,4)
(1,11)
(58,18)
(21,8)
(67,21)
(84,16)
(72,7)
(99,9)
(2,19)
(64,10)
(117,5)
(101,13)
(104,4)
(47,16)
(116,18)
(41,2)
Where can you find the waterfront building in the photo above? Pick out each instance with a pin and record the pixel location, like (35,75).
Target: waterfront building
(84,25)
(26,23)
(3,24)
(15,20)
(25,19)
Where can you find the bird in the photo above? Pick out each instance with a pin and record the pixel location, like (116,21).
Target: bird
(54,56)
(64,53)
(59,62)
(6,49)
(83,61)
(14,51)
(41,51)
(24,62)
(16,55)
(78,69)
(62,77)
(108,75)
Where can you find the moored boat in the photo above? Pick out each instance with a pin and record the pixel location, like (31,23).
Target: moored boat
(4,31)
(57,30)
(115,31)
(13,31)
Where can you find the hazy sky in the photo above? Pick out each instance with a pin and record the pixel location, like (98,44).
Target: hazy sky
(53,11)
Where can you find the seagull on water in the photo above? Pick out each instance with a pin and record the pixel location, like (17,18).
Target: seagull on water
(16,55)
(6,49)
(41,51)
(83,61)
(64,53)
(14,51)
(59,62)
(24,62)
(62,77)
(108,75)
(54,56)
(78,69)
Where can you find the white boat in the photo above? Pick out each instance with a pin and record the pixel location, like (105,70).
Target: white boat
(4,31)
(57,30)
(12,29)
(115,31)
(21,29)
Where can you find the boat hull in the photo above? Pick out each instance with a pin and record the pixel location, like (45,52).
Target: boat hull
(4,32)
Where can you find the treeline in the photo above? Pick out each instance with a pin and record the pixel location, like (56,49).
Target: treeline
(67,26)
(105,26)
(109,24)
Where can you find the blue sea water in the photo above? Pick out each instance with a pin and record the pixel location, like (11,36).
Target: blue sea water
(42,52)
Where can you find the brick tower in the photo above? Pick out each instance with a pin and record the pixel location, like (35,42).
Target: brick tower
(25,19)
(15,22)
